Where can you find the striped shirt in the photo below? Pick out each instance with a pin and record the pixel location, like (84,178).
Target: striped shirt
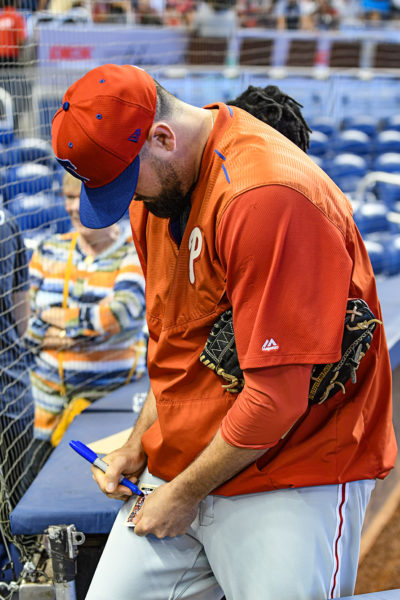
(104,315)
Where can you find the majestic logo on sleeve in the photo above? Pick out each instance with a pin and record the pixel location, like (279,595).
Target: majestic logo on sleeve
(71,168)
(269,344)
(195,246)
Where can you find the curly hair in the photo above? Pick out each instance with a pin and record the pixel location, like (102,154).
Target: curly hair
(276,109)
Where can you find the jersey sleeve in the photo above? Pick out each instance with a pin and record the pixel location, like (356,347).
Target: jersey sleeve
(272,400)
(288,275)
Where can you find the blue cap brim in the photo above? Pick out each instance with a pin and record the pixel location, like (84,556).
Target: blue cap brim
(103,206)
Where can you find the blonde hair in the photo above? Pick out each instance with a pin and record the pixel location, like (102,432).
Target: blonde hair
(69,179)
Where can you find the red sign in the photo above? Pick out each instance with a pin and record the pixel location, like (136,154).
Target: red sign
(70,52)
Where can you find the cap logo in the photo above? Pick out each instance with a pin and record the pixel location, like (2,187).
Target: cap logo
(134,137)
(71,168)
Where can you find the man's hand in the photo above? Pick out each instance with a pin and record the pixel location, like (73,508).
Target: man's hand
(165,512)
(172,507)
(124,461)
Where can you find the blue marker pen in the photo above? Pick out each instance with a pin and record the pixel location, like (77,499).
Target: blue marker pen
(92,457)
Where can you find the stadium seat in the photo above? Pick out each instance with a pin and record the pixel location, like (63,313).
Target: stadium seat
(206,50)
(40,211)
(371,217)
(387,141)
(394,220)
(366,123)
(391,122)
(345,54)
(389,162)
(376,253)
(391,247)
(392,255)
(29,178)
(302,53)
(386,55)
(319,144)
(6,117)
(347,170)
(28,150)
(319,161)
(324,124)
(353,141)
(388,191)
(256,52)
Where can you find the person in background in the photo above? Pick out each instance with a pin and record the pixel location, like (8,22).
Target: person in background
(179,12)
(16,403)
(214,18)
(326,15)
(58,7)
(147,14)
(111,12)
(86,328)
(376,11)
(13,33)
(276,109)
(229,213)
(255,13)
(294,14)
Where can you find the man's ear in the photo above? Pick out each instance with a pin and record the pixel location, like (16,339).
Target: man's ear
(161,137)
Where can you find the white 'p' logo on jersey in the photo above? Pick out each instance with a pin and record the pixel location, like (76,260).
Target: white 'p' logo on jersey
(195,246)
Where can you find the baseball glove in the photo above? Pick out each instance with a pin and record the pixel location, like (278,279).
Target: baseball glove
(220,353)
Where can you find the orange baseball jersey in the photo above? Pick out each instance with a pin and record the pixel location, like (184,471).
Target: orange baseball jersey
(271,235)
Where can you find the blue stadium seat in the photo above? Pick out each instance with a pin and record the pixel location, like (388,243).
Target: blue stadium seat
(319,160)
(371,217)
(28,150)
(391,122)
(394,221)
(366,123)
(353,141)
(387,141)
(319,144)
(391,248)
(388,192)
(28,178)
(40,211)
(389,162)
(347,170)
(376,253)
(326,125)
(392,255)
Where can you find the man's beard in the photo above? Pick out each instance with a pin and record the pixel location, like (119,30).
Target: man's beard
(172,201)
(169,205)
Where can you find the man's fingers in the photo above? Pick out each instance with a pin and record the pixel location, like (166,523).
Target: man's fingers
(112,474)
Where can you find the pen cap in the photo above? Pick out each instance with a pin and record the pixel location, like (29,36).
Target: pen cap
(83,450)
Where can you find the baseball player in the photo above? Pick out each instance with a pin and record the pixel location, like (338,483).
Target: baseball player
(255,494)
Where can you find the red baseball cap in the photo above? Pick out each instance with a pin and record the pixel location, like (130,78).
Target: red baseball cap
(98,133)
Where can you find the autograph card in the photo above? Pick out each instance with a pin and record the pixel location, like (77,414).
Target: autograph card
(146,489)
